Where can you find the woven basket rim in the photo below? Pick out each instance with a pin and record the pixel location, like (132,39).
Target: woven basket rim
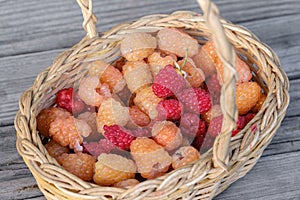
(40,162)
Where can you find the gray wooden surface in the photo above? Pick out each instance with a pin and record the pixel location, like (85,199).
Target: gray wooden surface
(33,33)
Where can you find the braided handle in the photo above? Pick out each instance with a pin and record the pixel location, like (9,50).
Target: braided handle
(90,20)
(227,54)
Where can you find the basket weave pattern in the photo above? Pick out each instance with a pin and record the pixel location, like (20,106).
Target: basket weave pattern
(202,180)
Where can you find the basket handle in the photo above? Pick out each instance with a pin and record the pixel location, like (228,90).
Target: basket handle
(227,55)
(90,20)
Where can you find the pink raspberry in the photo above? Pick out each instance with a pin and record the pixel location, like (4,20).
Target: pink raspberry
(119,136)
(167,82)
(191,125)
(97,148)
(64,99)
(170,109)
(196,100)
(214,88)
(215,126)
(141,132)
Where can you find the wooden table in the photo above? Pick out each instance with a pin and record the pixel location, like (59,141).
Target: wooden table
(33,33)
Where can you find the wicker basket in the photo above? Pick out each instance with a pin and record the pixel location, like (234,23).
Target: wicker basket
(228,160)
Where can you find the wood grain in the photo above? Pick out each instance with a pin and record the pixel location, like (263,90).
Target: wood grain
(33,33)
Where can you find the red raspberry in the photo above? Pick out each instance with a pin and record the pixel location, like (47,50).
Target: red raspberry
(196,100)
(119,136)
(170,109)
(249,117)
(47,116)
(207,143)
(97,148)
(235,132)
(191,125)
(167,82)
(79,164)
(215,126)
(214,88)
(65,99)
(241,122)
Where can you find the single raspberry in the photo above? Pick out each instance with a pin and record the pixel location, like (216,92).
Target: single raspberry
(151,159)
(195,100)
(247,96)
(137,46)
(111,112)
(88,91)
(108,74)
(215,111)
(97,148)
(111,169)
(214,88)
(167,134)
(157,62)
(191,125)
(177,41)
(203,61)
(243,70)
(119,136)
(141,132)
(126,183)
(259,104)
(89,118)
(66,100)
(137,118)
(167,82)
(207,142)
(147,101)
(249,117)
(55,150)
(79,164)
(137,75)
(184,156)
(170,109)
(241,122)
(47,116)
(215,126)
(195,76)
(69,131)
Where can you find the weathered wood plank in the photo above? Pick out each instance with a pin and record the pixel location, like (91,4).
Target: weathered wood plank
(33,26)
(33,33)
(264,181)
